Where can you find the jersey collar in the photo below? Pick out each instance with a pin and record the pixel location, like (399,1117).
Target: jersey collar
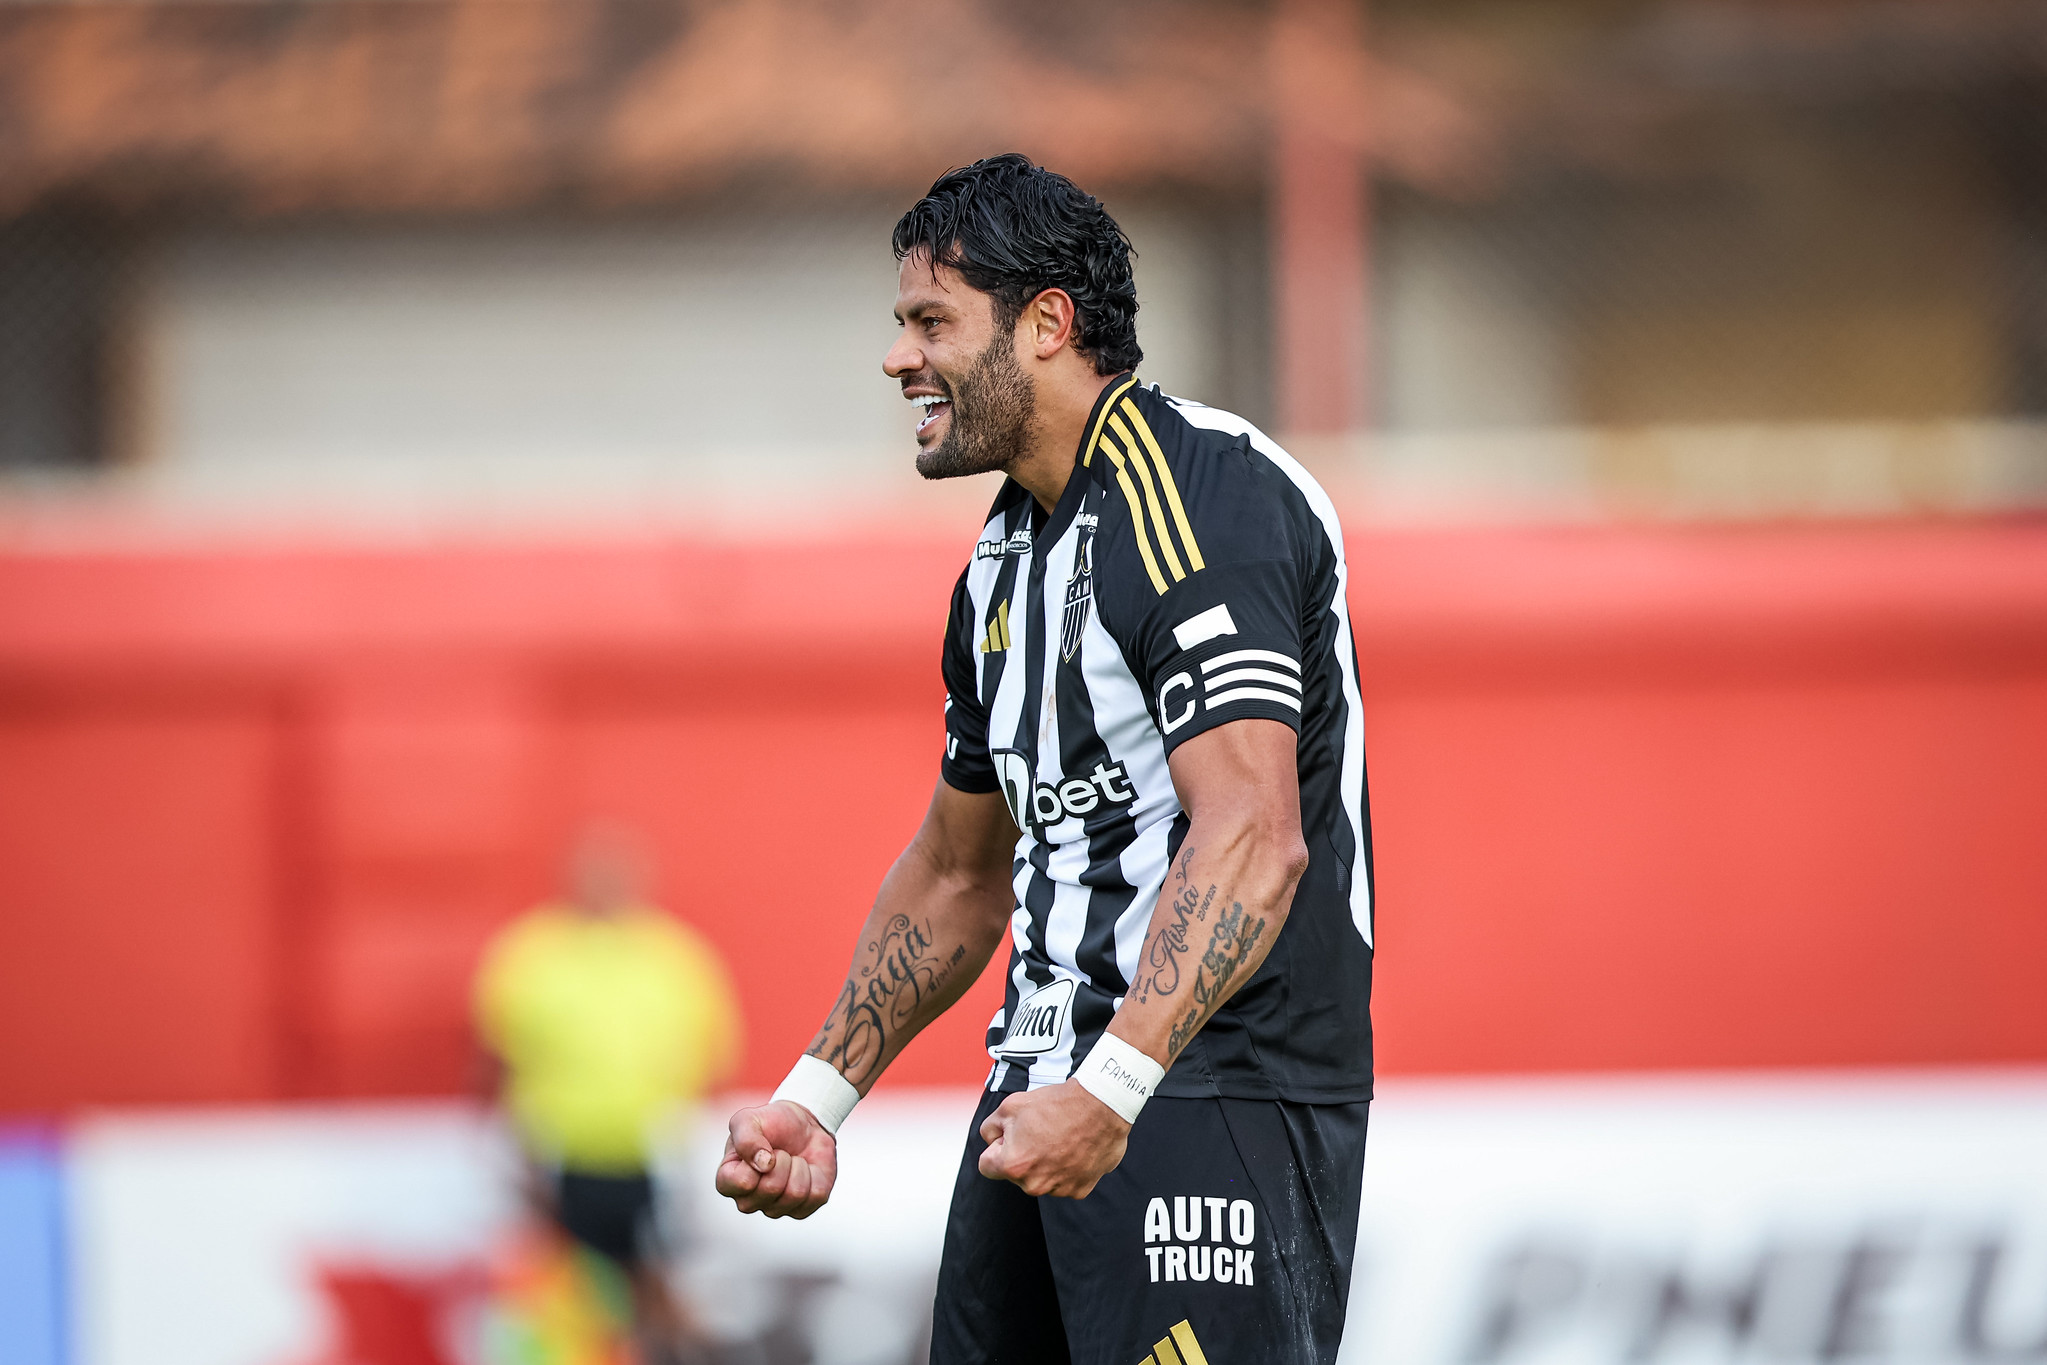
(1083,471)
(1091,436)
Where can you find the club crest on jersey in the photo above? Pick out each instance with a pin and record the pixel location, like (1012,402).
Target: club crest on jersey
(1080,594)
(1039,1021)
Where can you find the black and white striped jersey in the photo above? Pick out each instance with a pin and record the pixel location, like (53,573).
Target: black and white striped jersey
(1191,575)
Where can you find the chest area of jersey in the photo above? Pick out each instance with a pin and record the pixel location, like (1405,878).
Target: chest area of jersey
(1063,711)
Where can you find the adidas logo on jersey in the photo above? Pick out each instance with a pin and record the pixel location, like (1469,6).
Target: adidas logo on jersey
(1037,804)
(997,638)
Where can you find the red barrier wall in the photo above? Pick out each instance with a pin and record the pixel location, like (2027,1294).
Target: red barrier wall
(1674,799)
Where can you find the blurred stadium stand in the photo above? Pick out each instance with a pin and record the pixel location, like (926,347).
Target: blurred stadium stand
(462,259)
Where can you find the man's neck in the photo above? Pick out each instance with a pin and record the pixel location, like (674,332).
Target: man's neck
(1052,449)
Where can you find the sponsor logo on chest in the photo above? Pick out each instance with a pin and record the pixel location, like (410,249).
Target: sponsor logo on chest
(1035,805)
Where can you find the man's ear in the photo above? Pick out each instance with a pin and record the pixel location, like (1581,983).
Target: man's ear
(1047,323)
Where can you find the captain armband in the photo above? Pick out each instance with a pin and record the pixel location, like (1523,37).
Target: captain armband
(1119,1075)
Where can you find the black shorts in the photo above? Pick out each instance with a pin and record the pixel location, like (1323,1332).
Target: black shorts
(610,1214)
(1224,1238)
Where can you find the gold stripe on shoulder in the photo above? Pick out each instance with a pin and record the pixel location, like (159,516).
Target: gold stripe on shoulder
(1152,504)
(1087,452)
(1172,490)
(1151,564)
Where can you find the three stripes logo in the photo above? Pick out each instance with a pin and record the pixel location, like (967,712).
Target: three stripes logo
(1165,539)
(997,638)
(1177,1347)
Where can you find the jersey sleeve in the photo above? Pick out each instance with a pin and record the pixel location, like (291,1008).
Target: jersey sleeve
(965,765)
(1221,642)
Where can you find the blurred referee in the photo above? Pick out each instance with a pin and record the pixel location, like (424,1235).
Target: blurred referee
(606,1016)
(1153,783)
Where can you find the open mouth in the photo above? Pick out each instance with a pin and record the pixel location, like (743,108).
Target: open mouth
(934,407)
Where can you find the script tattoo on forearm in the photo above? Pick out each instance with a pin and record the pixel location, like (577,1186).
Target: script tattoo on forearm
(894,974)
(1162,955)
(1230,942)
(1161,972)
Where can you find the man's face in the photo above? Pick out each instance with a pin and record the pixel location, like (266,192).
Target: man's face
(974,401)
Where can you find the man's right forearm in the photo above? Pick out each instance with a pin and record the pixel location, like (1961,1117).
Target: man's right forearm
(941,912)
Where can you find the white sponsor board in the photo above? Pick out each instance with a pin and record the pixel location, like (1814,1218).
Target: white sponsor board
(1788,1218)
(196,1235)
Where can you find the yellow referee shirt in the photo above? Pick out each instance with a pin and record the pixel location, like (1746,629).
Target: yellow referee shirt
(603,1022)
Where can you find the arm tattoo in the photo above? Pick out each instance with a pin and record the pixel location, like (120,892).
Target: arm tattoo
(1163,954)
(1229,945)
(893,976)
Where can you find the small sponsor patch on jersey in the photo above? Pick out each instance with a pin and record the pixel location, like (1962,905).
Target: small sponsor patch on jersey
(1040,1020)
(1205,625)
(997,549)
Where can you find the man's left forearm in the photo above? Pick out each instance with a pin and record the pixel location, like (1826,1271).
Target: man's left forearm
(1223,904)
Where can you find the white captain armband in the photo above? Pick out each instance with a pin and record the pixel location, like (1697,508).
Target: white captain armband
(1119,1075)
(817,1085)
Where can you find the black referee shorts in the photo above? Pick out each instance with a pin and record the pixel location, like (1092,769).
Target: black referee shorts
(612,1215)
(1223,1238)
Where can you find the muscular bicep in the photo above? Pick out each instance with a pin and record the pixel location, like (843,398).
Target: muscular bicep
(968,836)
(1241,774)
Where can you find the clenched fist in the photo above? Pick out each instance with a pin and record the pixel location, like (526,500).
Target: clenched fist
(779,1160)
(1059,1140)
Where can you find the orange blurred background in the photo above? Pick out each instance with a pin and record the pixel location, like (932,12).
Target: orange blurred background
(1699,798)
(427,427)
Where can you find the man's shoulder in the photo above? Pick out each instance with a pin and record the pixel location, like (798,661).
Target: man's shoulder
(1189,486)
(539,925)
(527,946)
(658,931)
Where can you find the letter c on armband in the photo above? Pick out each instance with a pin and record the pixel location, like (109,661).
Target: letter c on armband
(1167,723)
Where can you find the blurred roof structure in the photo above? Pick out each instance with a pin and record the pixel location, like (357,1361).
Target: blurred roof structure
(264,106)
(284,106)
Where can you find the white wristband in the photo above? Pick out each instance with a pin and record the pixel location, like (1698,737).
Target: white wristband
(817,1085)
(1119,1075)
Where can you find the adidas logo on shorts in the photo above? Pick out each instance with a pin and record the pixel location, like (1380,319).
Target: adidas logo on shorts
(1177,1347)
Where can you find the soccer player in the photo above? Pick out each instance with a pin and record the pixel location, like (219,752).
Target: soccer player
(1153,779)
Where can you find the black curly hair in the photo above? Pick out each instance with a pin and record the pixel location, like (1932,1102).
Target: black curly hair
(1014,230)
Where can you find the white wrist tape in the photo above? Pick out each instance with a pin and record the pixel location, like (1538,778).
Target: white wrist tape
(817,1085)
(1119,1075)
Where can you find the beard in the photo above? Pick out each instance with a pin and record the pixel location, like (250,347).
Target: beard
(992,406)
